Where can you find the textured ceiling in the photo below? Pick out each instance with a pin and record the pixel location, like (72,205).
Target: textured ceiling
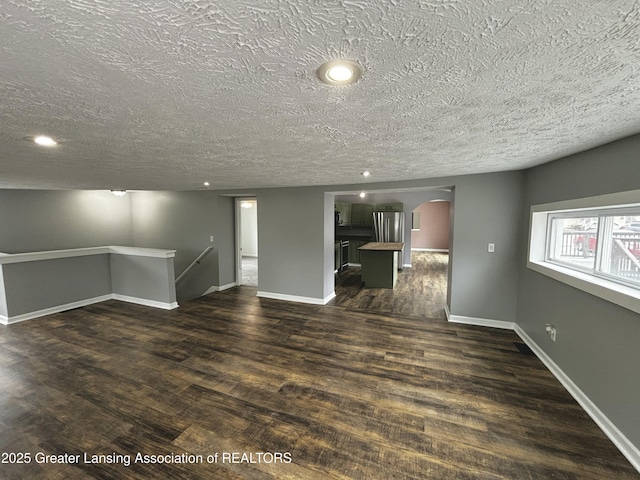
(167,94)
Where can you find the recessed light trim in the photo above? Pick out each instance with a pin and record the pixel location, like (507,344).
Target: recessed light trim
(45,141)
(340,72)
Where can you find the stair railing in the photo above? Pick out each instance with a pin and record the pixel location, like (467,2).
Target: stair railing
(204,253)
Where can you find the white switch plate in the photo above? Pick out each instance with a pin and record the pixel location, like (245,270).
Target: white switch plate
(491,247)
(211,238)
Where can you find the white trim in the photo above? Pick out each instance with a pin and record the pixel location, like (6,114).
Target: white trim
(481,322)
(144,301)
(52,254)
(329,297)
(51,310)
(297,298)
(628,449)
(83,252)
(8,320)
(142,252)
(216,288)
(440,250)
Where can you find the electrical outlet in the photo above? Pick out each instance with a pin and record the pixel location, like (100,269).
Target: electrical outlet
(551,331)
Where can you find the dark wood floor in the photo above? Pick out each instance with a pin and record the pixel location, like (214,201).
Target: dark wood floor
(420,290)
(345,393)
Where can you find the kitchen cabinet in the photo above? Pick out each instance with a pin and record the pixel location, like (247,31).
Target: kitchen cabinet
(389,207)
(362,214)
(354,253)
(345,212)
(380,264)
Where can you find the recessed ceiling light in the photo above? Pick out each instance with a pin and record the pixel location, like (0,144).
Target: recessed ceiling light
(45,141)
(206,184)
(366,174)
(119,193)
(340,72)
(362,194)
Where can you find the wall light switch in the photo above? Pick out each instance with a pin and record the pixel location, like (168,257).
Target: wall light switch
(211,238)
(491,247)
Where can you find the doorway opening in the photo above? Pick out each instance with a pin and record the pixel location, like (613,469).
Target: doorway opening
(423,286)
(430,226)
(247,241)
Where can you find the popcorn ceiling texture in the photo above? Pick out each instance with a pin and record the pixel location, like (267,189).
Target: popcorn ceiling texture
(165,94)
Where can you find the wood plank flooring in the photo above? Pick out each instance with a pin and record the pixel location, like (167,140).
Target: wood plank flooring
(344,393)
(420,290)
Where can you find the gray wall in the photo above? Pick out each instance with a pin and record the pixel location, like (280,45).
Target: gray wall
(38,285)
(597,341)
(36,220)
(291,241)
(181,221)
(148,278)
(486,209)
(295,230)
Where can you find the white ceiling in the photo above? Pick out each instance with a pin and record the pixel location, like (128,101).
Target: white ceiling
(167,94)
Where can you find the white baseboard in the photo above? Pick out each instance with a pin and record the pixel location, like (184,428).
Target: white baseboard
(83,303)
(481,322)
(296,298)
(216,288)
(437,250)
(628,449)
(144,301)
(8,320)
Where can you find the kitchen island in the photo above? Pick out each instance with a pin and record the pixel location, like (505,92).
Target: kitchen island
(379,262)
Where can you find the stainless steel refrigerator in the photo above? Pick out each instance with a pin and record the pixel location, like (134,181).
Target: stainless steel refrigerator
(389,227)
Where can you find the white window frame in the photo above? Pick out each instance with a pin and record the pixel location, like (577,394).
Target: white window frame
(600,285)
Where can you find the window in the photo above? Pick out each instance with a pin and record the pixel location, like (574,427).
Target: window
(592,244)
(603,243)
(415,220)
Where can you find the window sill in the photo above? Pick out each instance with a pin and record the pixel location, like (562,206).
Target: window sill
(616,293)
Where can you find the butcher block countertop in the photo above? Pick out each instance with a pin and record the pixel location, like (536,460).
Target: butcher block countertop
(382,246)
